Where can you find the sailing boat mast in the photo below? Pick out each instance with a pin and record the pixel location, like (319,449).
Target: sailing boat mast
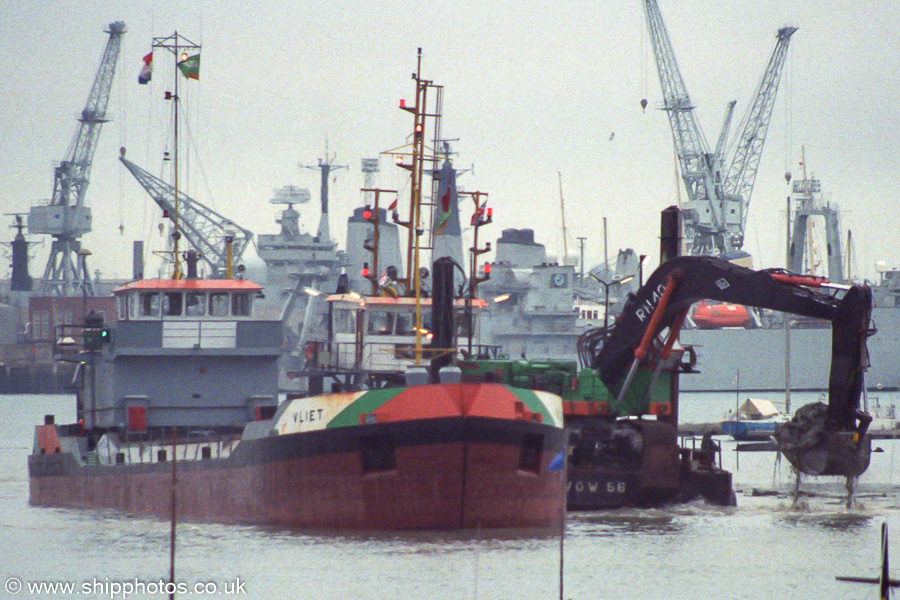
(786,321)
(562,210)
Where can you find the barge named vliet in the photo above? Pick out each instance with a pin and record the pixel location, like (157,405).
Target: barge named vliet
(185,388)
(177,413)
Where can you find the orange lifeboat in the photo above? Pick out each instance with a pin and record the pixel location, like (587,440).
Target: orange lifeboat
(708,315)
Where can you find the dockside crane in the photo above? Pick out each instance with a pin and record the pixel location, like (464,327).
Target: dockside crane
(715,214)
(206,230)
(66,217)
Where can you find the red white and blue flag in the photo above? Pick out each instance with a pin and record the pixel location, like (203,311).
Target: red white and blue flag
(147,70)
(479,213)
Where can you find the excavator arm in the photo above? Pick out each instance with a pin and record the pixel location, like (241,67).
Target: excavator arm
(822,440)
(660,305)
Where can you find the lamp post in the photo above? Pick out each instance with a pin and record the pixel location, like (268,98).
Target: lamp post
(581,262)
(304,326)
(606,298)
(643,259)
(83,253)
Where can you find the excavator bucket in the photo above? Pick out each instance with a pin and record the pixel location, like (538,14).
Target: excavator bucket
(831,439)
(814,448)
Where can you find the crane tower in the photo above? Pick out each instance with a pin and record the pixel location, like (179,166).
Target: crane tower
(205,229)
(715,213)
(66,217)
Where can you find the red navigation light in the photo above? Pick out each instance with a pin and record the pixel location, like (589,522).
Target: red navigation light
(490,212)
(402,103)
(367,213)
(487,268)
(365,270)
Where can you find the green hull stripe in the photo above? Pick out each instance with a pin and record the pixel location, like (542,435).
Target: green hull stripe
(534,404)
(367,403)
(375,399)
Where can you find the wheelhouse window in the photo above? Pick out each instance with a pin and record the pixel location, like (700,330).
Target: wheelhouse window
(218,304)
(381,322)
(404,324)
(195,304)
(344,320)
(149,304)
(240,304)
(172,304)
(462,323)
(122,305)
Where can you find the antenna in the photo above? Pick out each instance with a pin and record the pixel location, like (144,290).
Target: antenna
(325,167)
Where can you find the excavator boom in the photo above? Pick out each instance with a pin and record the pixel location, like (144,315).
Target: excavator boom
(660,304)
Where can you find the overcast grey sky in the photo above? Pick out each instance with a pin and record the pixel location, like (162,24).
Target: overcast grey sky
(531,89)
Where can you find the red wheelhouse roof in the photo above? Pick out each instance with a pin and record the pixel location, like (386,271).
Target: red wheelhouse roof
(199,285)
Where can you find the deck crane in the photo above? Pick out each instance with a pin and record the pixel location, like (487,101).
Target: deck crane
(205,229)
(66,217)
(715,214)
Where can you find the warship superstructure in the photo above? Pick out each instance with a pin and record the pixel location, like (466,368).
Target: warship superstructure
(760,363)
(532,312)
(296,261)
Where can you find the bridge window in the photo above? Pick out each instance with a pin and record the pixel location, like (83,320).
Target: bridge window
(381,323)
(344,321)
(172,304)
(462,323)
(149,302)
(218,304)
(240,304)
(195,304)
(404,324)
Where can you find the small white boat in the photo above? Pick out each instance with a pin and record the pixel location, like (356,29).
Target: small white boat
(756,419)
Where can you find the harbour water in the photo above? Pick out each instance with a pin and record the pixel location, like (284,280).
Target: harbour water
(763,548)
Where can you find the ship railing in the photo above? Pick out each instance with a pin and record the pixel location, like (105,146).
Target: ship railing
(704,451)
(385,356)
(114,448)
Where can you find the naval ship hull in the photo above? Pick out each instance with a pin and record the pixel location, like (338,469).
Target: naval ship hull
(753,359)
(437,473)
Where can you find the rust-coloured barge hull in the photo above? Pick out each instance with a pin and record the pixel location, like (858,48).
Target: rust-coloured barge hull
(447,473)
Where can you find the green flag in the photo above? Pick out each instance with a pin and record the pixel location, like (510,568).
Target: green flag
(190,67)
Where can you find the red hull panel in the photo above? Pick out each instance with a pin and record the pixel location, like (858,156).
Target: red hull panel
(437,485)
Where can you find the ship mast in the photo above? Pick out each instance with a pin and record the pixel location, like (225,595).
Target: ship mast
(325,167)
(416,167)
(179,46)
(562,210)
